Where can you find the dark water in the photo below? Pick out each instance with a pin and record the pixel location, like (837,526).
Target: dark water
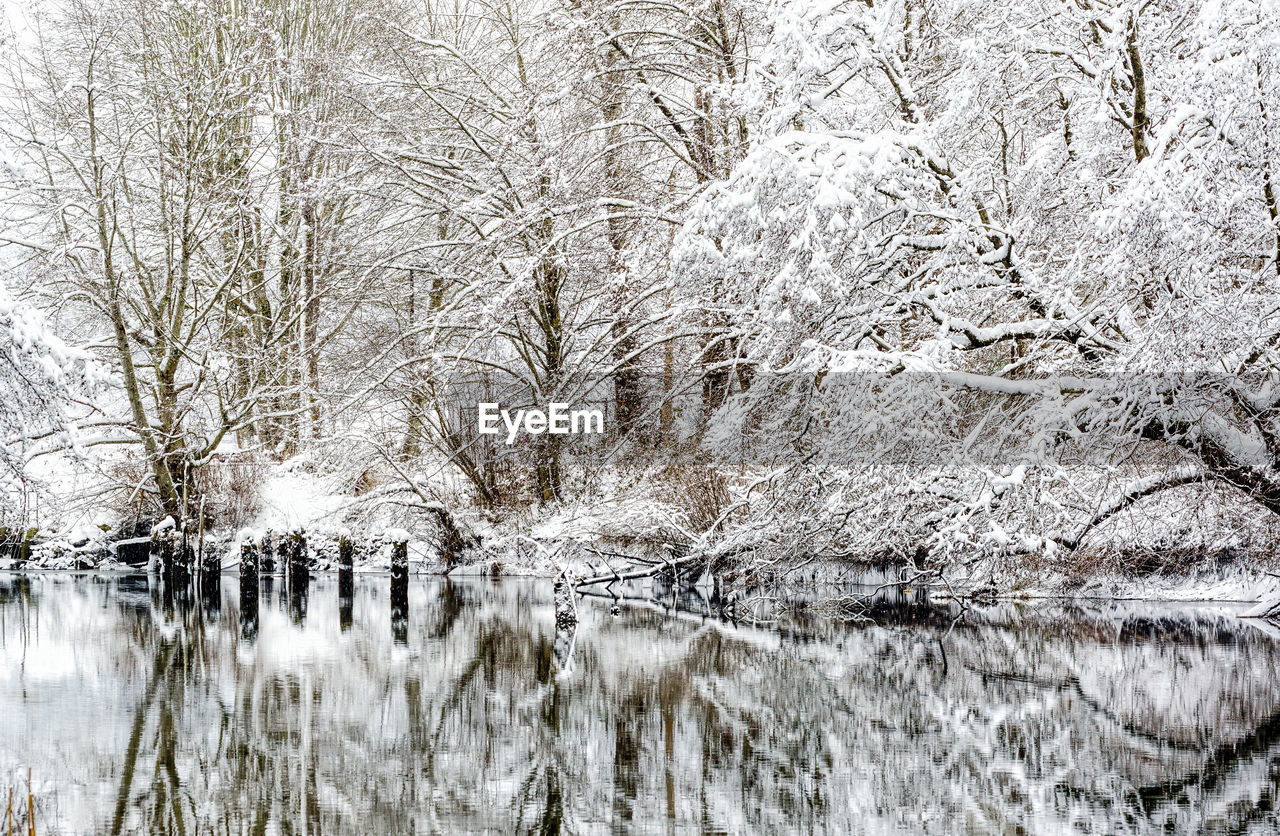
(138,714)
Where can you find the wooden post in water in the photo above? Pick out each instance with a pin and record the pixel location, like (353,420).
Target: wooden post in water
(157,550)
(299,573)
(267,563)
(211,580)
(299,556)
(282,556)
(346,578)
(211,568)
(249,552)
(162,548)
(184,564)
(399,585)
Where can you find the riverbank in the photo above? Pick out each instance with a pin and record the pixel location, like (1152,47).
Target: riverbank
(637,529)
(1224,582)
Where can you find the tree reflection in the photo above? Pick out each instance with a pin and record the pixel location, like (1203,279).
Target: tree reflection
(483,716)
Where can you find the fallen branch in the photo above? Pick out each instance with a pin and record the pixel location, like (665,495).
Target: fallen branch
(637,574)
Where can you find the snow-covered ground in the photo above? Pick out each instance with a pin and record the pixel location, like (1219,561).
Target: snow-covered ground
(292,498)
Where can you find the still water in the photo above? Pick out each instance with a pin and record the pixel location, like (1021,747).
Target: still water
(135,714)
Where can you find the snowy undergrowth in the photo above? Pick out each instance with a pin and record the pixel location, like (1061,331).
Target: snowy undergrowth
(1190,544)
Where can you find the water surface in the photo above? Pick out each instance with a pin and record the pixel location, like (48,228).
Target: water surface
(137,713)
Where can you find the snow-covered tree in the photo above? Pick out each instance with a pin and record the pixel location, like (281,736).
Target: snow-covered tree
(1049,223)
(39,374)
(180,194)
(946,273)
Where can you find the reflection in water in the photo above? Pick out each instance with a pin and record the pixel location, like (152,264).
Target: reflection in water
(400,591)
(249,594)
(211,582)
(400,607)
(478,715)
(346,583)
(346,601)
(299,583)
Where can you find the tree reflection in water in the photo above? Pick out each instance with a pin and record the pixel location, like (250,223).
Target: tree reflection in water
(150,712)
